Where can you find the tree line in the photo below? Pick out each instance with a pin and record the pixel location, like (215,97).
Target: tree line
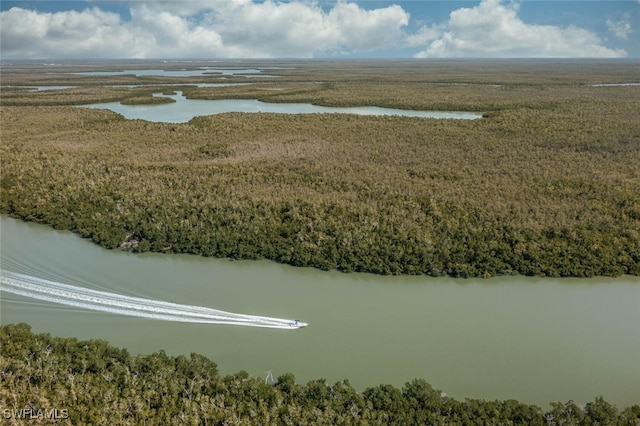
(93,383)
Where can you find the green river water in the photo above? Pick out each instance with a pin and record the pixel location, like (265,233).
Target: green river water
(537,340)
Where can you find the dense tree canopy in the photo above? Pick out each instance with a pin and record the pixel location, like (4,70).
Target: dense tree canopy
(93,383)
(547,184)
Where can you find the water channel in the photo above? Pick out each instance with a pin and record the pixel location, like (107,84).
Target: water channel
(201,71)
(183,109)
(532,339)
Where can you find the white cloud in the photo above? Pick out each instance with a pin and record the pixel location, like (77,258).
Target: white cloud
(214,28)
(426,34)
(296,28)
(182,8)
(271,29)
(26,33)
(367,30)
(622,27)
(493,29)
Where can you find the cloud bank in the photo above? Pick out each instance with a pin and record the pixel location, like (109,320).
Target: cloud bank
(298,28)
(201,29)
(493,29)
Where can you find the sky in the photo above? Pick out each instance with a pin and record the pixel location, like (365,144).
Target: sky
(214,29)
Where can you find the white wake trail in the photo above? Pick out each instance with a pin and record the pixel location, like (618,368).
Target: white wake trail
(51,291)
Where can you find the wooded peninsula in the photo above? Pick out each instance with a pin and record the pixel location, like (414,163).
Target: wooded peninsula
(547,183)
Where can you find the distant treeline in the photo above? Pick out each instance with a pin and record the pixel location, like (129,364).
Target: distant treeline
(547,184)
(93,383)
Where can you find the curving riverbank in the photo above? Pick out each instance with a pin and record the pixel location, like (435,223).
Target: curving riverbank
(532,339)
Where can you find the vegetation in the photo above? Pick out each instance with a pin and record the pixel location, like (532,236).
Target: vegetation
(93,383)
(146,100)
(547,184)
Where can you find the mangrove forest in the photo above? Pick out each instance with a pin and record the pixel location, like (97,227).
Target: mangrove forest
(46,379)
(547,183)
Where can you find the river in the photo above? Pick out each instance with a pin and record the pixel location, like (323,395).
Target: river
(537,340)
(184,109)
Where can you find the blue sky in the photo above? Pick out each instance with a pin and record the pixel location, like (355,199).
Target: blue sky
(38,29)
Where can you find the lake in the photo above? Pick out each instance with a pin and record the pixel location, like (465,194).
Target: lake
(183,109)
(202,71)
(537,340)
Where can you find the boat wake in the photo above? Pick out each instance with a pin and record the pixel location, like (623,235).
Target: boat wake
(80,297)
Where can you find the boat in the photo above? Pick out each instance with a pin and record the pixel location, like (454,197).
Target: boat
(298,324)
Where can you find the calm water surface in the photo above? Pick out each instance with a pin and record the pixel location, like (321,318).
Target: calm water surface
(535,340)
(183,109)
(204,71)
